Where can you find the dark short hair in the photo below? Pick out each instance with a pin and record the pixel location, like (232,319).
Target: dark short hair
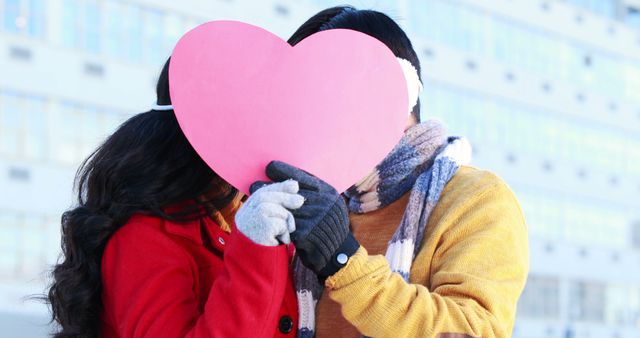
(370,22)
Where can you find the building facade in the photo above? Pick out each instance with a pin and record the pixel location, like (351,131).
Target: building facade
(547,91)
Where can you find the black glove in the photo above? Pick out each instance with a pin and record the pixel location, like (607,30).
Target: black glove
(322,237)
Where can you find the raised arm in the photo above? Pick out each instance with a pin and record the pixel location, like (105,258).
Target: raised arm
(477,274)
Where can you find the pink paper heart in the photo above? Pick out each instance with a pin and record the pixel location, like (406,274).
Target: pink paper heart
(333,105)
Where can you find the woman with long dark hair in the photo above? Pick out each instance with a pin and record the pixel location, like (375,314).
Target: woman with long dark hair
(152,249)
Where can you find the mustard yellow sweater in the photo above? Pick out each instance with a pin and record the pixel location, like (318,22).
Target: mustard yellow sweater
(466,279)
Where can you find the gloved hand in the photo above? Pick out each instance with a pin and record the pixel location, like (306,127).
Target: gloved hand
(322,237)
(264,217)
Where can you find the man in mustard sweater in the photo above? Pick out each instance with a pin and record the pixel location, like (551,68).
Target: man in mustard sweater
(424,246)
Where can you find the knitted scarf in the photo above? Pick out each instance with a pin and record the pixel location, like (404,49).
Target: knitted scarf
(423,161)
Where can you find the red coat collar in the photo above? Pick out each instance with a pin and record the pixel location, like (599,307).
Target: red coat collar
(192,230)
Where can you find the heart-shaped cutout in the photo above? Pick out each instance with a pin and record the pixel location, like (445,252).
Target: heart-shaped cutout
(333,105)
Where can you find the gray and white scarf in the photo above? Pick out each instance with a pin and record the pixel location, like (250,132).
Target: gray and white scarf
(423,161)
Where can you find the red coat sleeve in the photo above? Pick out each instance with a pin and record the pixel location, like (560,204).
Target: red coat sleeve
(148,282)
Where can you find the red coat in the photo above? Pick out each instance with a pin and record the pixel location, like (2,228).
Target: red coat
(164,279)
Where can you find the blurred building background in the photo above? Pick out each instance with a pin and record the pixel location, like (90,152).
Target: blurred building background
(548,92)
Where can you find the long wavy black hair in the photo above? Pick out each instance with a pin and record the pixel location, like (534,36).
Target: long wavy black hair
(144,166)
(370,22)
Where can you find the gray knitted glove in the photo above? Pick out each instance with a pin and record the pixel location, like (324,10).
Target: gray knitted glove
(323,239)
(264,217)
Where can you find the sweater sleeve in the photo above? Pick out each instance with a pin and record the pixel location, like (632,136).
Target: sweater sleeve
(148,288)
(478,271)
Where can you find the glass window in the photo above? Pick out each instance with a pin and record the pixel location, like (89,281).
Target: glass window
(10,239)
(37,19)
(540,298)
(508,125)
(153,38)
(114,35)
(631,76)
(32,244)
(11,113)
(35,129)
(605,8)
(634,159)
(70,23)
(12,16)
(11,125)
(502,41)
(623,305)
(563,61)
(510,42)
(607,75)
(51,236)
(633,17)
(421,13)
(92,26)
(92,133)
(173,30)
(133,28)
(66,130)
(587,301)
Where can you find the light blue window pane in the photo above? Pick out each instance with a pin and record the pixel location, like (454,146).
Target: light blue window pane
(505,112)
(421,17)
(114,36)
(475,108)
(492,120)
(483,28)
(450,21)
(507,117)
(470,28)
(563,62)
(66,133)
(70,19)
(133,24)
(623,305)
(576,2)
(453,106)
(92,130)
(71,127)
(503,40)
(10,238)
(605,8)
(35,129)
(633,18)
(152,31)
(574,60)
(522,47)
(427,102)
(173,30)
(462,28)
(51,233)
(33,243)
(37,21)
(542,54)
(11,112)
(438,24)
(10,124)
(11,15)
(92,24)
